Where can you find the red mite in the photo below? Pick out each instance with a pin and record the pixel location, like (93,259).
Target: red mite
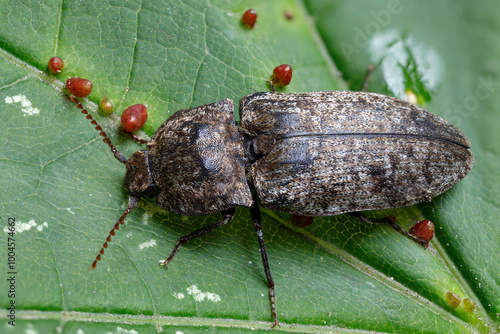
(106,106)
(134,117)
(301,221)
(55,65)
(249,18)
(289,15)
(282,75)
(424,230)
(79,87)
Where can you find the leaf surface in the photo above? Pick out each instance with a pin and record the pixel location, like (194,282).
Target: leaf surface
(66,190)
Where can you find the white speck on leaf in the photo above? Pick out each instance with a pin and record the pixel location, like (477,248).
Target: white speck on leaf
(20,227)
(213,297)
(40,227)
(179,295)
(30,330)
(199,295)
(120,330)
(145,218)
(26,105)
(147,244)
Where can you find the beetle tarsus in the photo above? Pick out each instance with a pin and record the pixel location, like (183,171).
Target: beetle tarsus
(391,221)
(257,225)
(174,251)
(272,85)
(134,137)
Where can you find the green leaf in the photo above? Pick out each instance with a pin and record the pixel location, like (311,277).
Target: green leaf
(65,189)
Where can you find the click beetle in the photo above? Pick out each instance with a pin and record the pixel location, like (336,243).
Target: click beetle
(307,154)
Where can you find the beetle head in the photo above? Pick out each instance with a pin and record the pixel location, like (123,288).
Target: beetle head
(138,178)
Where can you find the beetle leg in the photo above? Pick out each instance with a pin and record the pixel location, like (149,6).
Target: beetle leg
(227,216)
(257,225)
(271,85)
(389,220)
(134,137)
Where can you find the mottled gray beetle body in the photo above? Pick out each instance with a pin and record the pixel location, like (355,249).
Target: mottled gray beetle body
(326,153)
(309,154)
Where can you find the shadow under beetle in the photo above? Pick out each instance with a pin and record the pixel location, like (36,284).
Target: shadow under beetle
(309,154)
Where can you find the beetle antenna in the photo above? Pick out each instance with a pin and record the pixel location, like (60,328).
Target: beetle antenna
(118,155)
(132,204)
